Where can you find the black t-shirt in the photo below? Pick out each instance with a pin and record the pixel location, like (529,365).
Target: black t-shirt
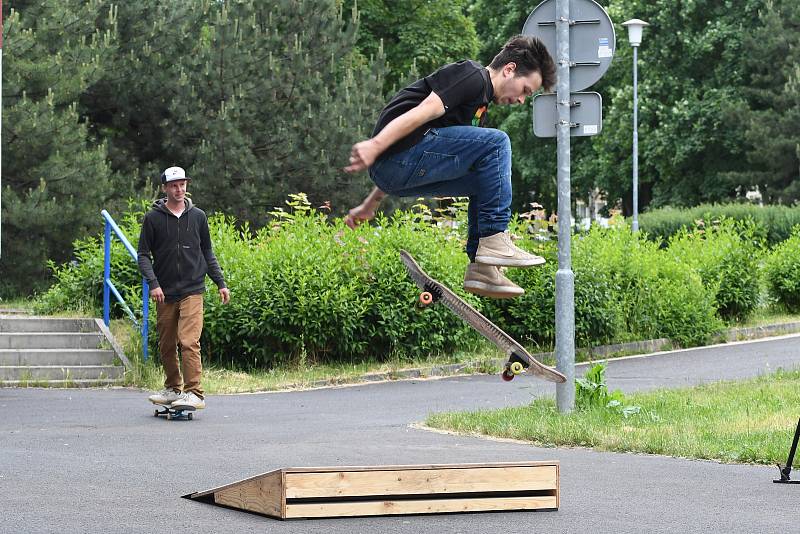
(465,90)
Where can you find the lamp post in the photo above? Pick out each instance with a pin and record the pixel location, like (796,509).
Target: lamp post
(635,27)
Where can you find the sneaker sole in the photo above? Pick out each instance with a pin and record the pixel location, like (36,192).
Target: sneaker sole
(165,403)
(508,262)
(486,290)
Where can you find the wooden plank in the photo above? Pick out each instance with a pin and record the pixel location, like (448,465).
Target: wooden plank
(247,480)
(403,467)
(423,506)
(262,495)
(424,481)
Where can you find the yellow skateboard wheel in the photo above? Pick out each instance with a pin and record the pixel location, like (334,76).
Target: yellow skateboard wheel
(516,368)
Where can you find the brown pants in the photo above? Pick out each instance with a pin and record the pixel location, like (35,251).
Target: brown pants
(180,324)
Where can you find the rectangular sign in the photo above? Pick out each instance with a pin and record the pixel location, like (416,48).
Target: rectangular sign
(586,114)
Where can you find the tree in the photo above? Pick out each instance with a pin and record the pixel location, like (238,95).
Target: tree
(55,175)
(255,99)
(691,75)
(772,91)
(417,36)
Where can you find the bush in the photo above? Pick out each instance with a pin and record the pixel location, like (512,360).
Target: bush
(531,317)
(726,254)
(772,223)
(306,289)
(782,272)
(302,290)
(310,291)
(654,297)
(79,283)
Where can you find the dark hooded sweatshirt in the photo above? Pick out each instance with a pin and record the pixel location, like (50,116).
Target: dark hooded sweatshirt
(181,251)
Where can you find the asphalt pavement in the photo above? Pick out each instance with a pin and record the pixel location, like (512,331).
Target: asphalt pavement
(96,460)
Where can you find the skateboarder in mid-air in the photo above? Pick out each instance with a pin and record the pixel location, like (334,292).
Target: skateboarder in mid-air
(428,141)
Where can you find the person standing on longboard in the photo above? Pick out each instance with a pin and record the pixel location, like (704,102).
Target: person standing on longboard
(429,141)
(175,233)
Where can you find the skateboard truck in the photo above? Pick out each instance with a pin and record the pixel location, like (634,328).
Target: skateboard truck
(175,412)
(785,471)
(514,366)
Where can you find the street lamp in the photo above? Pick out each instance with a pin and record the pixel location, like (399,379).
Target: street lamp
(635,27)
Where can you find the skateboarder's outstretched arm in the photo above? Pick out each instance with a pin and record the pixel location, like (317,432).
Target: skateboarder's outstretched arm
(365,153)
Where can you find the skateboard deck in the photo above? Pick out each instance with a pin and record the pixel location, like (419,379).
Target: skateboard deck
(519,360)
(174,412)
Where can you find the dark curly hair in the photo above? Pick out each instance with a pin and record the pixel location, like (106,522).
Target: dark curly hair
(529,54)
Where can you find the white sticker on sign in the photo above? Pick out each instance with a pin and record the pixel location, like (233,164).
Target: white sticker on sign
(590,129)
(604,51)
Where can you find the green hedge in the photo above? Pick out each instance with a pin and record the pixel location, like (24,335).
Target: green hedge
(772,223)
(782,272)
(727,256)
(307,289)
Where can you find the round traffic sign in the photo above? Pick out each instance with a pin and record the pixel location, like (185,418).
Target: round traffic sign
(592,40)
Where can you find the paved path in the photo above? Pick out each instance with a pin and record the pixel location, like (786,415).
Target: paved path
(98,461)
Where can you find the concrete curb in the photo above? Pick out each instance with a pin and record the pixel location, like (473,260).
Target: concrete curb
(636,348)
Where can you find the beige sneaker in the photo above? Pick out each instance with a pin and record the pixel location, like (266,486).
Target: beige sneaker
(488,281)
(164,397)
(498,249)
(189,399)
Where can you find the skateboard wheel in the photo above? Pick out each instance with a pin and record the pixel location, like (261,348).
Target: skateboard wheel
(155,412)
(169,417)
(425,298)
(189,417)
(507,376)
(516,368)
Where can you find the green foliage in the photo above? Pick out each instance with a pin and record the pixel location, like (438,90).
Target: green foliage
(726,255)
(55,174)
(657,297)
(770,120)
(782,272)
(306,289)
(718,102)
(255,99)
(531,317)
(690,74)
(771,223)
(79,282)
(591,393)
(417,36)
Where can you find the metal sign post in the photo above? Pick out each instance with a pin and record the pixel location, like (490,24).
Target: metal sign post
(565,279)
(580,37)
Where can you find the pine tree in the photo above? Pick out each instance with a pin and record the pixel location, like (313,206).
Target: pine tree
(771,118)
(55,176)
(269,101)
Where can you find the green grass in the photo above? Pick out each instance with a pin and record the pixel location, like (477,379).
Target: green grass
(740,422)
(220,380)
(769,315)
(16,304)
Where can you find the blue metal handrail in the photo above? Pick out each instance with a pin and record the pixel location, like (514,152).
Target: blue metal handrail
(108,286)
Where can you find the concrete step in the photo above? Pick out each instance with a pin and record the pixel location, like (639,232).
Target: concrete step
(14,311)
(84,383)
(43,373)
(51,340)
(56,357)
(11,323)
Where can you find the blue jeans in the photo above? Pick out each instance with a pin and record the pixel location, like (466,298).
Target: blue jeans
(462,161)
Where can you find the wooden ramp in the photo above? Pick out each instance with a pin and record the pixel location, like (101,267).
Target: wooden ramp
(392,490)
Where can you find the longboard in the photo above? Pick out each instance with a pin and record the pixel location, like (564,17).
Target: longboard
(519,360)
